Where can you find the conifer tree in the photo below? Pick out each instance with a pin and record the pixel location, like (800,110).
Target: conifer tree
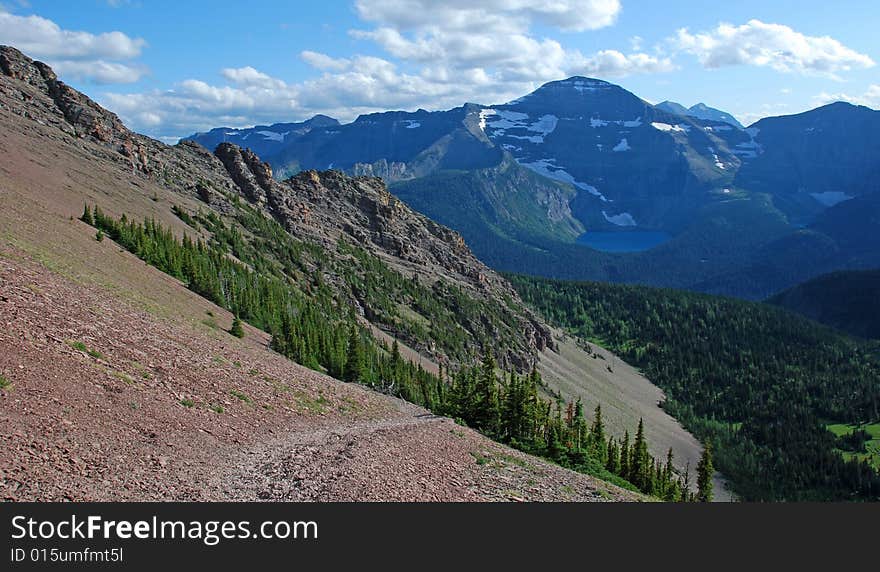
(237,329)
(486,405)
(623,471)
(354,363)
(705,471)
(638,470)
(598,447)
(612,461)
(87,216)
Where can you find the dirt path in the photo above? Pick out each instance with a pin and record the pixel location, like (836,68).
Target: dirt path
(108,402)
(412,457)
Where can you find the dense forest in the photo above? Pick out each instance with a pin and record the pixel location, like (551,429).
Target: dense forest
(759,383)
(312,326)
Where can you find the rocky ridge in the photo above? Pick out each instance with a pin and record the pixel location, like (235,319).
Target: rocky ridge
(319,207)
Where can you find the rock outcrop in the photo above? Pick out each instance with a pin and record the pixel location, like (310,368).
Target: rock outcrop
(316,207)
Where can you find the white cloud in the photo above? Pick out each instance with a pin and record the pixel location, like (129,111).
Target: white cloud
(80,55)
(324,62)
(250,77)
(871,97)
(98,71)
(611,63)
(572,15)
(436,55)
(770,45)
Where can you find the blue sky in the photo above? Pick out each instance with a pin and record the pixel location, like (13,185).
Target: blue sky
(171,68)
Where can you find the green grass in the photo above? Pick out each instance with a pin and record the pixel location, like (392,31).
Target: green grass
(313,405)
(4,383)
(216,408)
(187,402)
(479,458)
(79,346)
(872,445)
(123,377)
(241,396)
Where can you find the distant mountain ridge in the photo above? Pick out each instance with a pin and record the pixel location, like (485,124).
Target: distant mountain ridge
(737,204)
(846,300)
(262,139)
(700,111)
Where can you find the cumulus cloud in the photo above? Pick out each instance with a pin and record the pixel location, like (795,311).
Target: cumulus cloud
(572,15)
(870,98)
(250,77)
(434,55)
(611,63)
(79,55)
(769,45)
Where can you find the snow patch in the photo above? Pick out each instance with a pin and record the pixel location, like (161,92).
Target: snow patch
(622,146)
(622,219)
(545,125)
(412,124)
(598,122)
(530,138)
(271,135)
(501,121)
(547,168)
(718,128)
(831,198)
(667,127)
(484,113)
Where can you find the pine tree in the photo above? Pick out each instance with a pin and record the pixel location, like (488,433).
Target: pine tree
(623,469)
(354,364)
(612,462)
(705,471)
(237,329)
(597,437)
(638,469)
(87,216)
(487,412)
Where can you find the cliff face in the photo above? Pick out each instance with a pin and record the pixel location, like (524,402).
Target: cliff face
(320,208)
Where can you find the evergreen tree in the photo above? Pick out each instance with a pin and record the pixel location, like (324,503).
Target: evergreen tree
(237,329)
(598,446)
(354,363)
(612,461)
(87,216)
(623,470)
(487,413)
(638,469)
(705,471)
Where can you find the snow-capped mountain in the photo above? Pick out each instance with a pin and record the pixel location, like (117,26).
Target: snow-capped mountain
(633,163)
(700,111)
(521,180)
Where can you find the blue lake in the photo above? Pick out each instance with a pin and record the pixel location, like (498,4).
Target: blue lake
(628,241)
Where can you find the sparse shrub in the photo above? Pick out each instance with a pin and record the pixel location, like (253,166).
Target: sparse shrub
(99,236)
(216,408)
(79,346)
(4,383)
(241,396)
(187,402)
